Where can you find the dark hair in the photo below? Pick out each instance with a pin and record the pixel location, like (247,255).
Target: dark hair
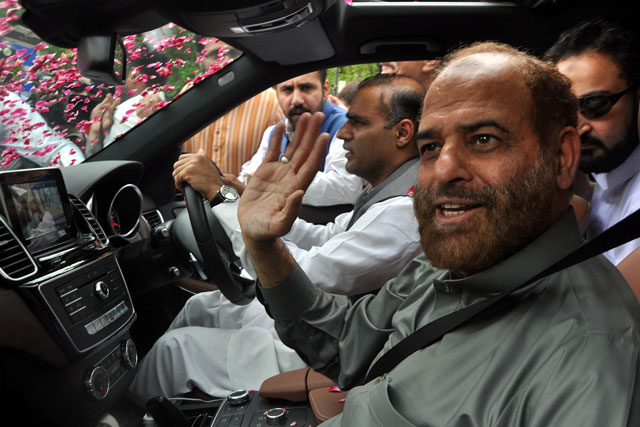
(405,97)
(553,104)
(348,92)
(604,37)
(323,75)
(148,55)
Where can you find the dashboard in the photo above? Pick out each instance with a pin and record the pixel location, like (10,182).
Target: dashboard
(67,311)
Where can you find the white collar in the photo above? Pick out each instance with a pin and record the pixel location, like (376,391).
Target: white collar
(621,174)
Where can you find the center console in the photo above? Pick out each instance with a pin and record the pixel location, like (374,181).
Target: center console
(241,408)
(60,281)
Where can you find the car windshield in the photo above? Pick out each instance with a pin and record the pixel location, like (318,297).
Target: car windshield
(50,115)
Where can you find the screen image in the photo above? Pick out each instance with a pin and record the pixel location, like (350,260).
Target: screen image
(40,212)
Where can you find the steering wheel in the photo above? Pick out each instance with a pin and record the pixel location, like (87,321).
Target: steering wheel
(215,261)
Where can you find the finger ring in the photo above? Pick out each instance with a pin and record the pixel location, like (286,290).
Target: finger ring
(284,160)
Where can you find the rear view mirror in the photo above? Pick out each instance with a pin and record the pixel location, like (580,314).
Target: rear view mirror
(102,59)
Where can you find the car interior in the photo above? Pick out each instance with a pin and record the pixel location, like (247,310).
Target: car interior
(82,301)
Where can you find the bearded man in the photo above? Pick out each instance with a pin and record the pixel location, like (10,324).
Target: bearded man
(499,150)
(211,345)
(333,185)
(602,61)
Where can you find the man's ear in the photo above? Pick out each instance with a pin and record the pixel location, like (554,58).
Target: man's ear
(326,87)
(429,65)
(403,132)
(567,157)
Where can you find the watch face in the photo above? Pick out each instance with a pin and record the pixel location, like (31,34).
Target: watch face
(229,193)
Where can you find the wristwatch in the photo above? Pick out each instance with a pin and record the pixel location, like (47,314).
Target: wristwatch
(226,194)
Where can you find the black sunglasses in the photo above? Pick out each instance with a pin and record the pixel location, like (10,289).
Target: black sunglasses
(593,106)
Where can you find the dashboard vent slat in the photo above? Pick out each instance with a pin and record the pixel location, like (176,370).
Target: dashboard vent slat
(15,261)
(91,221)
(154,218)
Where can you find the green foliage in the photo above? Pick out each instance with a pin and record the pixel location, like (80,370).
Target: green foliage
(349,73)
(188,53)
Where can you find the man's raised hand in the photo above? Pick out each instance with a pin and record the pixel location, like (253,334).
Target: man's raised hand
(272,200)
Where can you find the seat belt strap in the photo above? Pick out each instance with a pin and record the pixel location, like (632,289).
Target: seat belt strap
(624,231)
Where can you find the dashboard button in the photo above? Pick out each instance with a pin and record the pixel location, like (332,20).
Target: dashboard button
(90,328)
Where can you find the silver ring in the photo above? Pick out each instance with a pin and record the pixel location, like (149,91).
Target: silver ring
(284,160)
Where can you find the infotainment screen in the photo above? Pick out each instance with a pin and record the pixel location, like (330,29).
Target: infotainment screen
(38,207)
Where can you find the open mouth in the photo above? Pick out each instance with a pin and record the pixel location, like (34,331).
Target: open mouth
(454,209)
(456,212)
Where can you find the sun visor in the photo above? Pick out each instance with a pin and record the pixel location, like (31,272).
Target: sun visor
(284,47)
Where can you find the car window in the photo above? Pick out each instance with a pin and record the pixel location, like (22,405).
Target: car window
(50,115)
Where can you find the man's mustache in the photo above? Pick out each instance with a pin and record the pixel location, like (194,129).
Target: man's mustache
(485,196)
(587,139)
(298,110)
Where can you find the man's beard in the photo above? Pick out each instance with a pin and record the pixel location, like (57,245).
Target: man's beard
(514,215)
(291,124)
(602,159)
(297,110)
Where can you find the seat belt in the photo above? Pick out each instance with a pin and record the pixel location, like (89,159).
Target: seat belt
(624,231)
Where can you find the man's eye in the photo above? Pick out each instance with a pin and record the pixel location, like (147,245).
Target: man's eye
(483,139)
(429,150)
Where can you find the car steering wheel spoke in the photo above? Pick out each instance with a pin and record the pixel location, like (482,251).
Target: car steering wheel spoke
(210,260)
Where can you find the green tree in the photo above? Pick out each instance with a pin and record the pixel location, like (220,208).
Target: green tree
(349,73)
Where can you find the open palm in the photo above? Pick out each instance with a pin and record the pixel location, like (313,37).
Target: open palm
(271,202)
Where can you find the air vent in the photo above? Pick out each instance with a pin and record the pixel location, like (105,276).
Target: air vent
(154,218)
(15,262)
(295,18)
(91,221)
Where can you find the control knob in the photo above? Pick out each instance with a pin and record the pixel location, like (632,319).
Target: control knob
(276,416)
(97,383)
(101,289)
(161,232)
(129,353)
(238,397)
(174,271)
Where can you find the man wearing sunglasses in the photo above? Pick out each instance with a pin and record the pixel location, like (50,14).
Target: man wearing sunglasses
(601,60)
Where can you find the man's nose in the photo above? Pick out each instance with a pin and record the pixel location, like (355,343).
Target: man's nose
(452,164)
(584,125)
(345,133)
(297,98)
